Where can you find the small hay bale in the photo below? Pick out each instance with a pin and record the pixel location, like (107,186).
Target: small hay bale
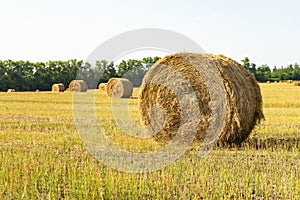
(37,90)
(58,87)
(268,82)
(275,81)
(297,84)
(102,87)
(289,81)
(78,86)
(243,97)
(11,90)
(119,88)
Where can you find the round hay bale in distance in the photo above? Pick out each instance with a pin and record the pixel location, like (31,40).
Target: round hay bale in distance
(102,86)
(58,87)
(78,86)
(297,84)
(11,90)
(243,97)
(119,88)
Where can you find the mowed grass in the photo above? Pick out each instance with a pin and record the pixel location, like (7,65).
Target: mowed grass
(42,156)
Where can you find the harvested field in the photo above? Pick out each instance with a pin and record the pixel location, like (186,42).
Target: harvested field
(40,150)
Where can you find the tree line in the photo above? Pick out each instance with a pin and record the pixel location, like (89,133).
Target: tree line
(264,73)
(29,76)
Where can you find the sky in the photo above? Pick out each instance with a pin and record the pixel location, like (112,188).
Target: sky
(40,30)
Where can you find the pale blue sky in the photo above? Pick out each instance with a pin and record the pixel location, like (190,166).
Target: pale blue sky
(266,31)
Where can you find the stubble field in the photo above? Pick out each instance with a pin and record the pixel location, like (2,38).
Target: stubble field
(42,156)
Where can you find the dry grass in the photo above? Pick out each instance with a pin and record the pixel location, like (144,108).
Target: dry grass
(59,87)
(78,86)
(11,90)
(119,88)
(243,97)
(102,87)
(297,84)
(42,156)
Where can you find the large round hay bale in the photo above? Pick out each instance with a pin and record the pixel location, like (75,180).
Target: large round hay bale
(78,86)
(243,97)
(119,88)
(59,87)
(11,90)
(102,86)
(297,84)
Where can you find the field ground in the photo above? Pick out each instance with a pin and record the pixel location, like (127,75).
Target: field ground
(42,157)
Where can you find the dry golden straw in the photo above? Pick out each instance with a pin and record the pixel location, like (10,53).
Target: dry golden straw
(59,87)
(78,86)
(11,90)
(243,97)
(297,84)
(102,86)
(119,88)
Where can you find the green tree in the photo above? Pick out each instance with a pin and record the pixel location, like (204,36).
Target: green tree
(106,70)
(249,66)
(4,76)
(133,70)
(149,61)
